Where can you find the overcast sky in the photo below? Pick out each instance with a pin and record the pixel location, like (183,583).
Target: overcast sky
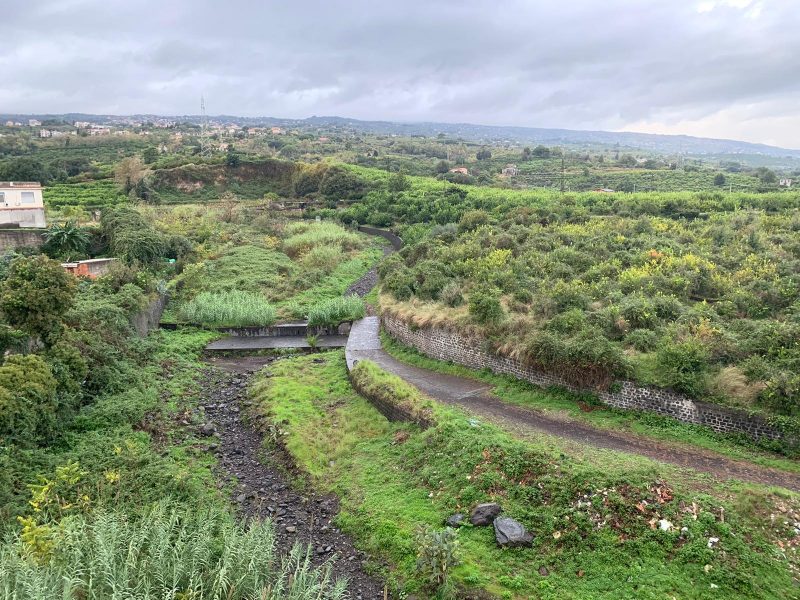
(716,68)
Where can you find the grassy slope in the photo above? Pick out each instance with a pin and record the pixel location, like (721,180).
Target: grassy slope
(590,535)
(565,403)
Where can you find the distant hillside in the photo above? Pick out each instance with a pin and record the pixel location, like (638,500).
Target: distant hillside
(663,144)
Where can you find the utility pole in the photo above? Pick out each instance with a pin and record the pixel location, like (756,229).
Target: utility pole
(563,172)
(204,149)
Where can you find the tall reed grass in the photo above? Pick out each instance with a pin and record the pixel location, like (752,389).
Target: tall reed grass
(235,308)
(167,554)
(336,310)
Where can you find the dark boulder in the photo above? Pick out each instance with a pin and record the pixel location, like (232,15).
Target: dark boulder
(511,533)
(456,520)
(484,514)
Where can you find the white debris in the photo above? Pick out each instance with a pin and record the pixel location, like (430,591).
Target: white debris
(712,541)
(664,525)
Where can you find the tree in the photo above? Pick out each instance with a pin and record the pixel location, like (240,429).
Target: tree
(526,154)
(483,154)
(25,169)
(66,239)
(128,172)
(398,182)
(36,295)
(766,175)
(719,180)
(442,167)
(232,158)
(541,151)
(150,155)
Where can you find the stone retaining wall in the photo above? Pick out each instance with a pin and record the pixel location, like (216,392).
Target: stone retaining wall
(391,410)
(449,346)
(11,239)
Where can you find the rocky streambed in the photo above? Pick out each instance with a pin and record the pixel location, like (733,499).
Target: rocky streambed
(261,481)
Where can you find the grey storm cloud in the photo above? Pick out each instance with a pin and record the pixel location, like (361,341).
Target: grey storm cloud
(721,68)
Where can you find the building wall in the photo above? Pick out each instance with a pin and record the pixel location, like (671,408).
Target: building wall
(446,345)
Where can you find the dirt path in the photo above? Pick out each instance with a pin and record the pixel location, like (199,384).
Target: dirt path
(261,480)
(476,397)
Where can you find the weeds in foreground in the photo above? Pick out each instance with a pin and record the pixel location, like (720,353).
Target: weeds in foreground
(169,552)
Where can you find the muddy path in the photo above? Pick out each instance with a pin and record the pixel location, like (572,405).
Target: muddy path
(261,480)
(477,398)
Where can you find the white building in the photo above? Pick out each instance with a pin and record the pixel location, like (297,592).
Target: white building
(21,204)
(34,123)
(785,182)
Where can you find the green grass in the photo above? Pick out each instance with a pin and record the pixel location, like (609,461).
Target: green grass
(305,235)
(563,402)
(589,532)
(235,308)
(332,285)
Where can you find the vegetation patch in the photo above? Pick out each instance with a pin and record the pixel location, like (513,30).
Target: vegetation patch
(336,310)
(233,308)
(619,531)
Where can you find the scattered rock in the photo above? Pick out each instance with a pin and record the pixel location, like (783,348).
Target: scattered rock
(543,571)
(484,514)
(456,520)
(291,529)
(511,533)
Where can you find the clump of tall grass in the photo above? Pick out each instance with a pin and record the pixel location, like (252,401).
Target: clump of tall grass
(167,553)
(302,237)
(234,308)
(336,310)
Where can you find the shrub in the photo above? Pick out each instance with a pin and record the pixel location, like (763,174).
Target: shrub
(336,310)
(166,553)
(644,340)
(235,308)
(484,307)
(683,366)
(27,400)
(451,294)
(437,555)
(36,294)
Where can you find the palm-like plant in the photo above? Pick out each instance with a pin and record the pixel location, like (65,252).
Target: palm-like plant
(66,239)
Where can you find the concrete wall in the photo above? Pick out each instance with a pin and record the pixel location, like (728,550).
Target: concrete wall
(22,216)
(446,345)
(148,318)
(20,238)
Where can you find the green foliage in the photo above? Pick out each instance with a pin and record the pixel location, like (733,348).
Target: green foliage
(484,307)
(683,365)
(66,240)
(35,295)
(131,238)
(231,308)
(164,552)
(437,555)
(27,400)
(336,310)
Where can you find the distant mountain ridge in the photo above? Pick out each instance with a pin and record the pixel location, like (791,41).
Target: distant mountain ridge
(667,144)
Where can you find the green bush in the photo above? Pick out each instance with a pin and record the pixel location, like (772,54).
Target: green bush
(644,340)
(235,308)
(484,307)
(683,366)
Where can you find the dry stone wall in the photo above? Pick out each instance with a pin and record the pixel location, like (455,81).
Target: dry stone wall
(449,346)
